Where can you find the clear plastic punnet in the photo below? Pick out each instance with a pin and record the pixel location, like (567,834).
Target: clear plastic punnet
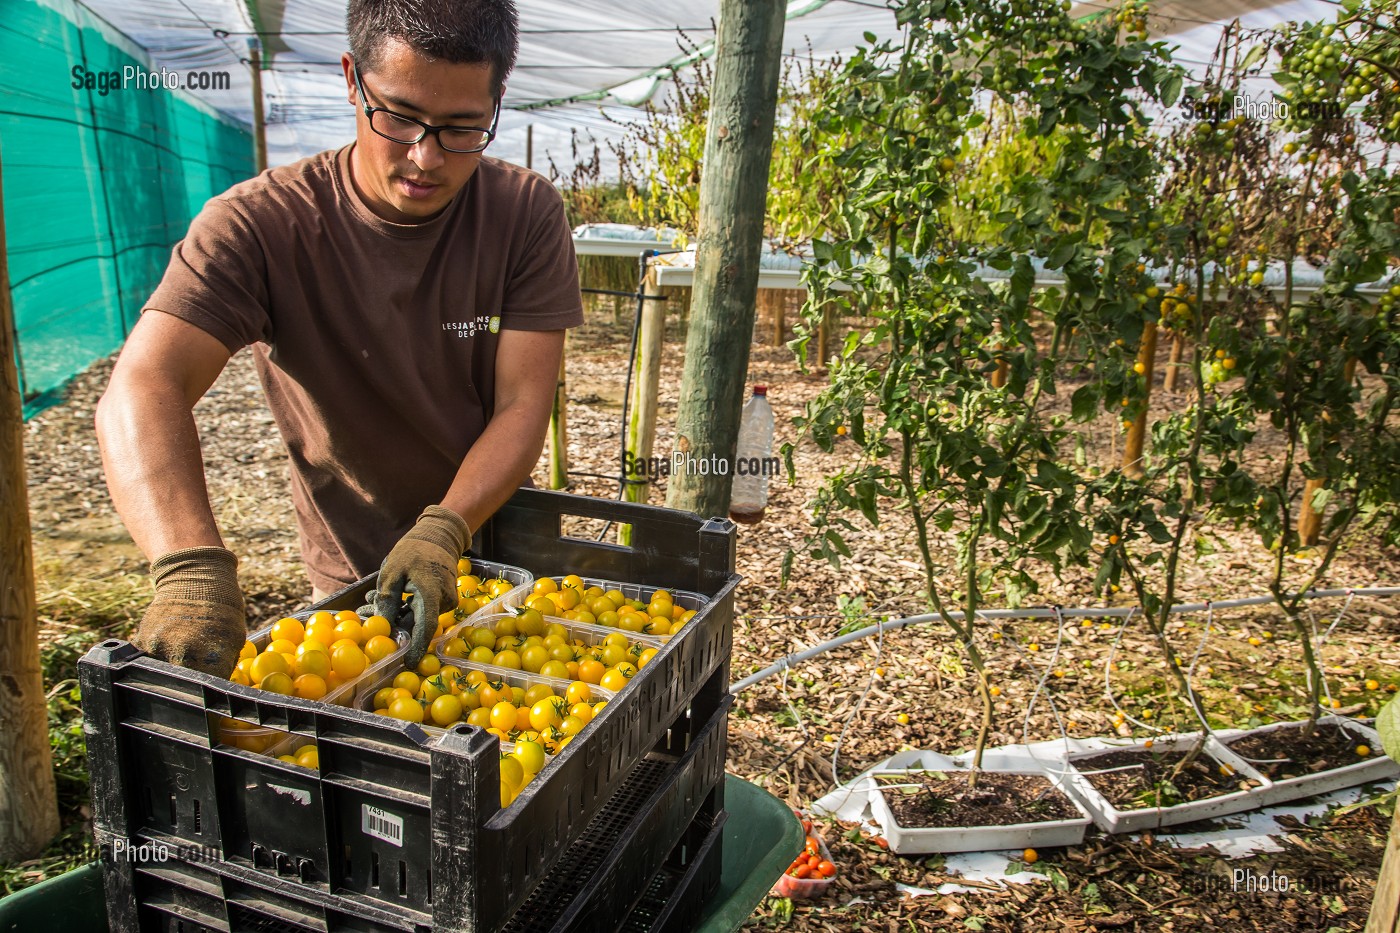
(262,739)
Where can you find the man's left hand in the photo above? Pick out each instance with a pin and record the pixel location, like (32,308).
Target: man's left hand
(424,563)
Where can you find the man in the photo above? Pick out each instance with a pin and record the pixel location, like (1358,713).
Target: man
(405,298)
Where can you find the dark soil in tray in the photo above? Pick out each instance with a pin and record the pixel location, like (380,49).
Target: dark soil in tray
(1150,783)
(1330,746)
(944,799)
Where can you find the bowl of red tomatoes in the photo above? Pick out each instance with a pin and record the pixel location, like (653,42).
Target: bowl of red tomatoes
(811,872)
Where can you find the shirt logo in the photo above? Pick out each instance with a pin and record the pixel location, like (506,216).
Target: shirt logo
(471,327)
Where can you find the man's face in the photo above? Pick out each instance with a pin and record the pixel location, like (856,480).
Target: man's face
(412,183)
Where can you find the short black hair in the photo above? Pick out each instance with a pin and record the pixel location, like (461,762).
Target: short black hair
(465,32)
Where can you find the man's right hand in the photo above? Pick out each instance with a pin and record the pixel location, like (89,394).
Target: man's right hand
(197,619)
(424,562)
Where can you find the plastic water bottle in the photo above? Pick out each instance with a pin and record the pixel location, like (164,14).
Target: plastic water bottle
(749,496)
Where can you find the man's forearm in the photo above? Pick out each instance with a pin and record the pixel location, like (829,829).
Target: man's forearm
(497,464)
(154,469)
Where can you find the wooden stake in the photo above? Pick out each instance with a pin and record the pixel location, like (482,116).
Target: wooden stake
(1003,370)
(559,436)
(1137,433)
(1309,518)
(646,384)
(1385,907)
(259,123)
(1173,372)
(642,403)
(824,336)
(28,799)
(733,195)
(778,300)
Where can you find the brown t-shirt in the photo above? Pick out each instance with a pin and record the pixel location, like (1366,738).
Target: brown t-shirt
(375,341)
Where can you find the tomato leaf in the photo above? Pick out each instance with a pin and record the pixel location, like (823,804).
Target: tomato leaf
(1084,403)
(1388,725)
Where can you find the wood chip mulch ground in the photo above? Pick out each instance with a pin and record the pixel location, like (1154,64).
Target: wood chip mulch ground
(840,712)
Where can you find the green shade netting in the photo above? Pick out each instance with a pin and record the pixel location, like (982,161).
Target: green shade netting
(97,187)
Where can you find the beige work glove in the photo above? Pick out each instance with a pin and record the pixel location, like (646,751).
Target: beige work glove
(423,563)
(197,618)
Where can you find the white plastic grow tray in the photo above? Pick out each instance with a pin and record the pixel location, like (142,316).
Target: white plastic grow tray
(1377,768)
(907,840)
(1112,820)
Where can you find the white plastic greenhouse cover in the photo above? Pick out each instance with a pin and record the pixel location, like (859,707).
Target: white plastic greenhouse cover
(584,65)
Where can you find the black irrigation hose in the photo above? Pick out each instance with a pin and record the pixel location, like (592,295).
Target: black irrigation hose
(622,480)
(641,297)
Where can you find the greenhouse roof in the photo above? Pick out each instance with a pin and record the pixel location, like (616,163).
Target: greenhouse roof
(584,65)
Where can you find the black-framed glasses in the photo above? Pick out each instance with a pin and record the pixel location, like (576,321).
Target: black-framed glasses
(398,128)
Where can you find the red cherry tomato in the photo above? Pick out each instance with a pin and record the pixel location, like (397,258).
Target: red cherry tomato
(826,869)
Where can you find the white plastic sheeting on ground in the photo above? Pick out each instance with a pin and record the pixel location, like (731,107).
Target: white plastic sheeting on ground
(1255,833)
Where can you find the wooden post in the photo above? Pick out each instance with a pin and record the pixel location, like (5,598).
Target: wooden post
(733,192)
(259,124)
(1137,433)
(1309,518)
(642,402)
(1003,371)
(28,799)
(559,436)
(1385,906)
(777,300)
(824,336)
(1173,373)
(646,385)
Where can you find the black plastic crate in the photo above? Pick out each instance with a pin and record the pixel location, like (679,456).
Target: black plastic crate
(676,897)
(669,548)
(393,818)
(187,898)
(660,817)
(633,837)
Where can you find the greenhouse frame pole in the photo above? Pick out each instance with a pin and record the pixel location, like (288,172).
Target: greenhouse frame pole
(733,191)
(28,798)
(259,121)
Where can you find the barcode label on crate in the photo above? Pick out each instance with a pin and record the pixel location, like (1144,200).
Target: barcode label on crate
(381,824)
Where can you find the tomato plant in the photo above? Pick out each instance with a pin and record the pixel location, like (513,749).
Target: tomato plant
(945,396)
(1320,364)
(1209,235)
(661,155)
